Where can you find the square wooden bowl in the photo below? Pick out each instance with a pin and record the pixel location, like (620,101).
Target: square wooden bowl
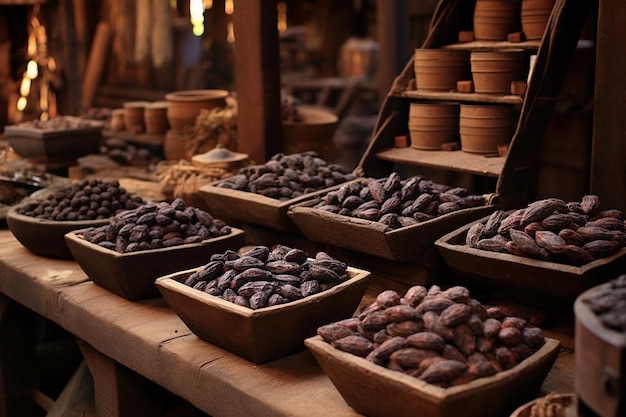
(405,244)
(132,275)
(34,142)
(548,284)
(376,391)
(267,333)
(248,207)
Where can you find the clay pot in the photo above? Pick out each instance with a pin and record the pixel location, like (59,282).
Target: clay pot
(484,127)
(184,106)
(133,116)
(440,69)
(432,124)
(495,19)
(534,16)
(155,117)
(118,123)
(493,71)
(175,145)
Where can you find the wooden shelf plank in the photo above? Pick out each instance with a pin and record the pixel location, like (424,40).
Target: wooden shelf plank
(456,96)
(475,45)
(455,161)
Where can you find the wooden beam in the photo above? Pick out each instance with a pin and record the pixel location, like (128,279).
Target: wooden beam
(608,171)
(257,79)
(392,39)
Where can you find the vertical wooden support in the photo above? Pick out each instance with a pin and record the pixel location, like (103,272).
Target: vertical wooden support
(96,65)
(392,34)
(257,79)
(608,171)
(120,392)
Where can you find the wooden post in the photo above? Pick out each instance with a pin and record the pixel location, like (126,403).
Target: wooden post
(118,391)
(257,79)
(608,172)
(392,36)
(96,64)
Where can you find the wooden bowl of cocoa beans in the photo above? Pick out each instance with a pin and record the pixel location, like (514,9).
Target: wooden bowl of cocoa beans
(434,353)
(137,246)
(262,303)
(547,253)
(41,221)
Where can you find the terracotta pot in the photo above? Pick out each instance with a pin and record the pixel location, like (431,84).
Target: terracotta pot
(118,123)
(494,20)
(535,15)
(133,116)
(175,145)
(184,106)
(493,71)
(483,127)
(440,69)
(155,117)
(432,124)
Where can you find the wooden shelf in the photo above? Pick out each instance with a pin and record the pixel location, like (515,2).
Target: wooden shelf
(455,161)
(456,96)
(476,45)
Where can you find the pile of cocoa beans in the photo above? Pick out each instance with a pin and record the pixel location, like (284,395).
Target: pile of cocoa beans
(443,337)
(157,225)
(397,203)
(284,177)
(573,233)
(262,277)
(609,304)
(82,200)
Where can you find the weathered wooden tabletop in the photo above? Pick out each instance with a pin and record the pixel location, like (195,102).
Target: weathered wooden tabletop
(148,338)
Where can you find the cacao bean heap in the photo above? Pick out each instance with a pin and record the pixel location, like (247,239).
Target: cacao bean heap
(262,277)
(284,177)
(157,225)
(573,233)
(82,200)
(443,337)
(397,203)
(609,304)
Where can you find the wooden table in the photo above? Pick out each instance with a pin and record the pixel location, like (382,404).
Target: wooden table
(124,342)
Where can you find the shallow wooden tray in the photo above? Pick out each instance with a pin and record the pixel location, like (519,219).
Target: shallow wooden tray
(541,282)
(600,373)
(252,208)
(267,333)
(366,236)
(376,391)
(132,275)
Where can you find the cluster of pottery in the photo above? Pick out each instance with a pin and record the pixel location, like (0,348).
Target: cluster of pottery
(183,109)
(481,128)
(494,20)
(141,117)
(492,72)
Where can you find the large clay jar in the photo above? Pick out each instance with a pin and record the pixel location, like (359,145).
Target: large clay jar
(184,106)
